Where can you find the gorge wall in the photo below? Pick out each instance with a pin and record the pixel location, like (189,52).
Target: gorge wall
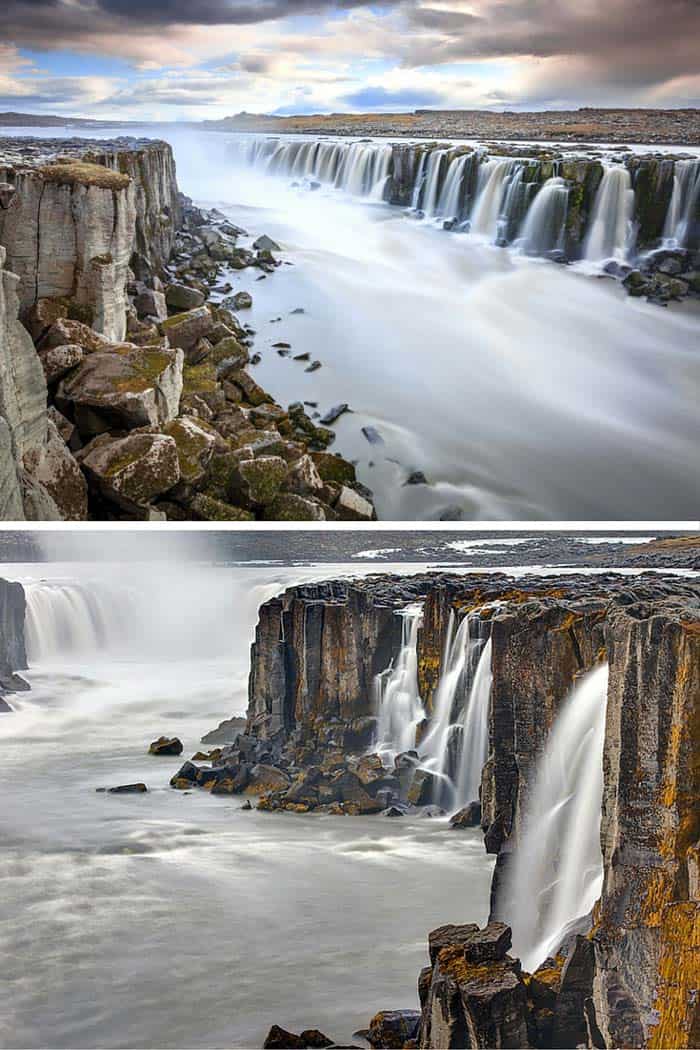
(630,976)
(13,656)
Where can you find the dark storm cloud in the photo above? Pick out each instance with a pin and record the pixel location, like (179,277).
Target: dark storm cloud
(48,24)
(628,42)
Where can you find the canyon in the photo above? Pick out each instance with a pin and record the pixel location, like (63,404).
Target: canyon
(129,389)
(620,967)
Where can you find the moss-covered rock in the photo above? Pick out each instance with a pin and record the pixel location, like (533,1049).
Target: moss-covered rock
(134,470)
(195,441)
(257,482)
(209,509)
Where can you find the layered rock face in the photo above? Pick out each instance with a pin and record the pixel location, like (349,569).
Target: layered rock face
(633,978)
(72,224)
(23,414)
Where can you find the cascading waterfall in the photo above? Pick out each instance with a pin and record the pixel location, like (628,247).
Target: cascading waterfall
(609,232)
(556,873)
(508,205)
(475,731)
(493,180)
(683,204)
(397,701)
(65,619)
(455,747)
(543,227)
(450,197)
(432,182)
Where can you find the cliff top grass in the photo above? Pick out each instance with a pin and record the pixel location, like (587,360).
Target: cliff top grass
(83,173)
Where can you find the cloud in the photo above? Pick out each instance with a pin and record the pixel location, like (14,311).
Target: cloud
(380,98)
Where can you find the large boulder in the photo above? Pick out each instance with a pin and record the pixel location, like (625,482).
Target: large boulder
(186,329)
(195,442)
(182,298)
(54,468)
(58,361)
(124,387)
(257,482)
(133,470)
(166,745)
(392,1029)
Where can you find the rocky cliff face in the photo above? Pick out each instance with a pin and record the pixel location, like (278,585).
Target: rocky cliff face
(633,979)
(23,415)
(13,656)
(72,223)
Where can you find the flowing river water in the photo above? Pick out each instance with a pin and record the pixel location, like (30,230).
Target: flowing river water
(521,389)
(173,920)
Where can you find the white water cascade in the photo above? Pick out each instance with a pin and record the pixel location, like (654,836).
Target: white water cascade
(609,231)
(450,195)
(68,619)
(432,182)
(455,747)
(493,176)
(397,701)
(475,731)
(683,203)
(543,227)
(556,874)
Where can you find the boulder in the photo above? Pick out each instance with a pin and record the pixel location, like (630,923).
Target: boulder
(127,789)
(195,441)
(392,1029)
(166,745)
(333,468)
(208,508)
(186,329)
(150,303)
(290,507)
(242,301)
(265,778)
(266,244)
(304,479)
(181,297)
(55,469)
(351,506)
(468,817)
(423,788)
(133,470)
(64,332)
(257,482)
(57,361)
(280,1039)
(124,387)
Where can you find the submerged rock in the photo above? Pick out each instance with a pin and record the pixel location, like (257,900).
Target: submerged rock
(468,817)
(392,1029)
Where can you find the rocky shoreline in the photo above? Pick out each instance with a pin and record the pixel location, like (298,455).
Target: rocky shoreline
(125,384)
(628,974)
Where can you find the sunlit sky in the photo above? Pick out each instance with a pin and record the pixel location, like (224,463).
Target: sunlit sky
(204,59)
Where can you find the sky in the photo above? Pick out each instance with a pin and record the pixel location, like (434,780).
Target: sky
(206,59)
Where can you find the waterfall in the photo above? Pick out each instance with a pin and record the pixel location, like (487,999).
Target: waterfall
(397,701)
(420,180)
(381,173)
(556,872)
(609,230)
(493,176)
(432,181)
(475,731)
(63,620)
(683,204)
(449,204)
(543,227)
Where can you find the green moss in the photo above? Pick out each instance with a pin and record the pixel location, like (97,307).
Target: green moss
(147,366)
(199,379)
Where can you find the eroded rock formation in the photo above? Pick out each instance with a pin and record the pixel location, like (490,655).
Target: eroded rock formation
(630,975)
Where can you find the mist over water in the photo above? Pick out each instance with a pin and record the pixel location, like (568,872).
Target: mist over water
(171,919)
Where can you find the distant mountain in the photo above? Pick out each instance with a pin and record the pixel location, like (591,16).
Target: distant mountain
(40,120)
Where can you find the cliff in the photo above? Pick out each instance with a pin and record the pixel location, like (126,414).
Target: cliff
(72,223)
(13,656)
(630,977)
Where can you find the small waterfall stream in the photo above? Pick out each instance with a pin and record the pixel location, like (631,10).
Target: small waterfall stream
(543,227)
(683,204)
(609,232)
(397,701)
(556,874)
(455,747)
